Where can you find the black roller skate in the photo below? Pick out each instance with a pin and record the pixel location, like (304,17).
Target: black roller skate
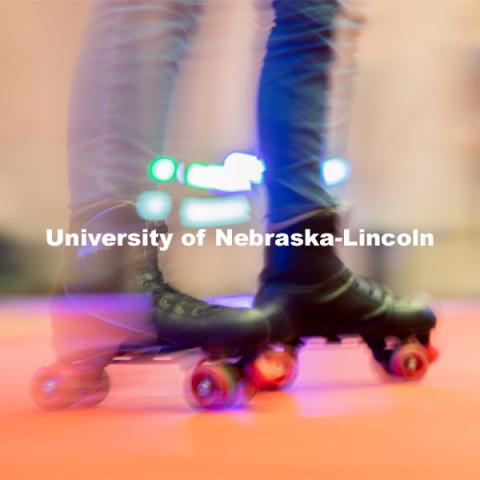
(322,298)
(113,305)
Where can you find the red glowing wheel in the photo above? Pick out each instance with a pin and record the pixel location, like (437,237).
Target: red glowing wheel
(274,369)
(409,361)
(432,353)
(55,387)
(214,385)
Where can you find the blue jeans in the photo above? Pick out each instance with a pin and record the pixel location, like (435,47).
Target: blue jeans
(126,77)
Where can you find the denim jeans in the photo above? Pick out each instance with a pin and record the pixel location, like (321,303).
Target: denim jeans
(126,76)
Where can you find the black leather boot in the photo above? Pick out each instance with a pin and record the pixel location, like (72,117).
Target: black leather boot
(114,301)
(177,319)
(322,297)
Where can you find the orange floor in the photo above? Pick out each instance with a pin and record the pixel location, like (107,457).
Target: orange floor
(340,419)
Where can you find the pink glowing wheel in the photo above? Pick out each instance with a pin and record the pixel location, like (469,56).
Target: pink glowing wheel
(432,353)
(214,385)
(94,389)
(274,369)
(59,386)
(55,387)
(409,361)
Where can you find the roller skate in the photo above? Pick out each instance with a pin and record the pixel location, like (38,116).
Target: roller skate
(113,306)
(322,298)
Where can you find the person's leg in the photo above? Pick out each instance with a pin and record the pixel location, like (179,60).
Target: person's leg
(121,95)
(292,106)
(311,284)
(120,106)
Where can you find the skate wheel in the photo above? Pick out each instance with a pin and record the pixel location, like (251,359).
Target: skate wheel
(214,385)
(409,361)
(432,353)
(273,369)
(93,390)
(55,387)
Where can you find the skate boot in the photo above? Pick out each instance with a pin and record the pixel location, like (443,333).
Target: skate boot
(322,298)
(114,301)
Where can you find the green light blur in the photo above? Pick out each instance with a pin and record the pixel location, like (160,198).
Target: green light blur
(162,169)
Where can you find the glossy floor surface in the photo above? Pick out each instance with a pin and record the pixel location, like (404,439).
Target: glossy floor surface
(340,420)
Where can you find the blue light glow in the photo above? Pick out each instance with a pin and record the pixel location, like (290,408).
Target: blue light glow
(335,171)
(181,173)
(153,205)
(214,212)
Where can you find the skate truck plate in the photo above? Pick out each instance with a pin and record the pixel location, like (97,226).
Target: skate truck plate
(134,354)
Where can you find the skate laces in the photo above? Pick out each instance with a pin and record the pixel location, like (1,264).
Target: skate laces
(168,297)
